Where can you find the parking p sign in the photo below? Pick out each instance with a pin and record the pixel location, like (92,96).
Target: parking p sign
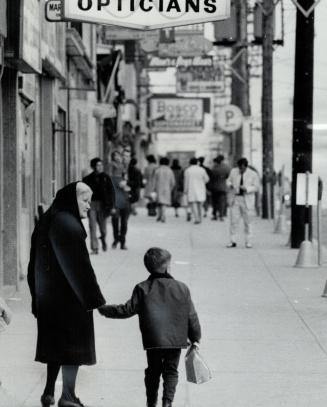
(230,118)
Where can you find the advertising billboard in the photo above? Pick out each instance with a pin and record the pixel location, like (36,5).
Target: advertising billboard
(146,14)
(176,115)
(200,79)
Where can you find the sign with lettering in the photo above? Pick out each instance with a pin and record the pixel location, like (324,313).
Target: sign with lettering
(230,118)
(200,79)
(171,62)
(53,10)
(176,115)
(186,44)
(146,14)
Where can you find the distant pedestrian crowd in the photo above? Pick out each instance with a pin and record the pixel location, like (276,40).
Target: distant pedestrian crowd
(195,189)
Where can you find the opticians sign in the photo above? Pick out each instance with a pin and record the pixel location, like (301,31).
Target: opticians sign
(176,115)
(146,14)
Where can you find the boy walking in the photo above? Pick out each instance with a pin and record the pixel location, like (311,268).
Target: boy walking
(167,320)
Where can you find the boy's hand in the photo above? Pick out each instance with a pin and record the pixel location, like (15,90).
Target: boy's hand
(196,345)
(102,309)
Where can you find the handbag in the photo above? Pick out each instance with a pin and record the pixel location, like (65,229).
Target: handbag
(197,370)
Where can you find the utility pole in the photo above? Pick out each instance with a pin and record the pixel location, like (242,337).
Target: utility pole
(240,82)
(303,115)
(267,111)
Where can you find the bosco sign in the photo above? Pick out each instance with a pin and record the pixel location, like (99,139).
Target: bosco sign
(146,14)
(176,115)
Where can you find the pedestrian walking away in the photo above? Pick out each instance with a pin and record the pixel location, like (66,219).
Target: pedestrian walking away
(101,204)
(218,188)
(177,192)
(206,203)
(167,319)
(243,183)
(123,193)
(164,182)
(149,172)
(64,292)
(135,181)
(195,180)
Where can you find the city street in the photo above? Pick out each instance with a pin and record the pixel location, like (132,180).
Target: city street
(264,323)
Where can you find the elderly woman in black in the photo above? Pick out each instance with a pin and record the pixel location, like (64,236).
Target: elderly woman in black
(64,292)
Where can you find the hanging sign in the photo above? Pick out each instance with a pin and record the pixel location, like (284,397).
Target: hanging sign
(230,118)
(53,10)
(171,62)
(188,45)
(200,79)
(306,12)
(176,115)
(146,14)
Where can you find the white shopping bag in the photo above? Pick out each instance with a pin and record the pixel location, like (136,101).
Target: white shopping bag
(197,370)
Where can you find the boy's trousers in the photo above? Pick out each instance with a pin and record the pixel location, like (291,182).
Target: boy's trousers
(161,362)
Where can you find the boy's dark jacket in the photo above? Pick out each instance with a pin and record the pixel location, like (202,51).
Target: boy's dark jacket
(166,312)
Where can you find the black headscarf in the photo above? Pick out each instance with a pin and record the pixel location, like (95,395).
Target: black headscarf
(65,201)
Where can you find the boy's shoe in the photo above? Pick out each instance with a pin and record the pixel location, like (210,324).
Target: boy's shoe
(123,246)
(114,245)
(248,245)
(47,400)
(231,245)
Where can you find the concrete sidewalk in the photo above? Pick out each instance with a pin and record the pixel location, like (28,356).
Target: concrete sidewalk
(264,324)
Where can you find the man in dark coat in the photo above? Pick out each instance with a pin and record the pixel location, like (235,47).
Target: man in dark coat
(64,292)
(101,204)
(218,186)
(167,320)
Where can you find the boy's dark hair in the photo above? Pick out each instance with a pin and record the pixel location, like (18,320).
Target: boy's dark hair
(94,162)
(193,161)
(155,258)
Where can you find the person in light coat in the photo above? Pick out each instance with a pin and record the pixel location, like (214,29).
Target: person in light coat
(243,183)
(164,182)
(195,180)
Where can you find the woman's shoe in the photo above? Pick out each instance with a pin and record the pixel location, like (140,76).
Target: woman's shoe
(67,403)
(47,400)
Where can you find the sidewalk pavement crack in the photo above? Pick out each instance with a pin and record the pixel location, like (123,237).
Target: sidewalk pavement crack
(304,322)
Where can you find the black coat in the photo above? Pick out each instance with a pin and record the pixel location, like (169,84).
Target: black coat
(63,285)
(166,312)
(103,189)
